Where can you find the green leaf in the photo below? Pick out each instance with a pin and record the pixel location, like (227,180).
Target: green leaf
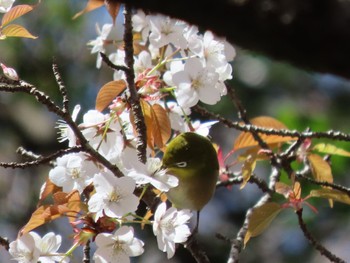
(330,149)
(260,219)
(333,194)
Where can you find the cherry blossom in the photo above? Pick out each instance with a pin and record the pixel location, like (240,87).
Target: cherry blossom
(31,248)
(73,172)
(113,197)
(140,23)
(117,247)
(98,44)
(5,5)
(165,30)
(170,227)
(151,173)
(195,83)
(65,132)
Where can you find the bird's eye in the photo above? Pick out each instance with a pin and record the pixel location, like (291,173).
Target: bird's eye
(181,164)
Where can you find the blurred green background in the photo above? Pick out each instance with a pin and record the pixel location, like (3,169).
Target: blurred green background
(298,98)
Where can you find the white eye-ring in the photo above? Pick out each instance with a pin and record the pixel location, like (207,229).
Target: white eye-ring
(181,164)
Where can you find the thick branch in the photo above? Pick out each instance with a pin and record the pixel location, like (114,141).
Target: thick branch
(134,97)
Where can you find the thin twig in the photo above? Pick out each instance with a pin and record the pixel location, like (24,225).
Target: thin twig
(30,89)
(239,179)
(324,183)
(28,154)
(41,159)
(193,247)
(62,88)
(331,134)
(242,114)
(110,64)
(237,243)
(45,100)
(325,252)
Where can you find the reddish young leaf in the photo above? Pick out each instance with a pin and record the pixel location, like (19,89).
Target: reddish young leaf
(64,205)
(283,189)
(108,93)
(47,189)
(245,139)
(15,31)
(157,124)
(113,8)
(147,114)
(91,5)
(161,126)
(260,219)
(42,215)
(14,13)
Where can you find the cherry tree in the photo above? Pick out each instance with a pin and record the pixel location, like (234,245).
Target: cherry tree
(107,179)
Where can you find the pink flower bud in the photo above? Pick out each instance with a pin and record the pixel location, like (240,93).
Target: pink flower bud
(10,73)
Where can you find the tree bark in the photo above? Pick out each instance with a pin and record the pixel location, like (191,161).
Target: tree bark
(311,34)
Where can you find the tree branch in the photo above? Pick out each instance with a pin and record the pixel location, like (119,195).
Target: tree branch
(130,79)
(331,134)
(325,252)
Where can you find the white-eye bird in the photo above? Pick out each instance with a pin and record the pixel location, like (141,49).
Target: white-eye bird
(193,160)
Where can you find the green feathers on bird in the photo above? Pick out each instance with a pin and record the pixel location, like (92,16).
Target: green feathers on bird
(193,160)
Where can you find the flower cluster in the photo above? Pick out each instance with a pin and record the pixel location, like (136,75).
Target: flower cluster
(31,248)
(175,67)
(173,58)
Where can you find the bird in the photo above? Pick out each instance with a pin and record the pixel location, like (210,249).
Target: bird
(193,159)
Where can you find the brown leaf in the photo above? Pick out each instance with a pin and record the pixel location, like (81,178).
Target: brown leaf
(47,189)
(113,8)
(246,139)
(14,13)
(320,169)
(157,124)
(260,219)
(147,114)
(108,93)
(91,5)
(161,126)
(41,215)
(248,169)
(283,189)
(297,190)
(332,194)
(16,31)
